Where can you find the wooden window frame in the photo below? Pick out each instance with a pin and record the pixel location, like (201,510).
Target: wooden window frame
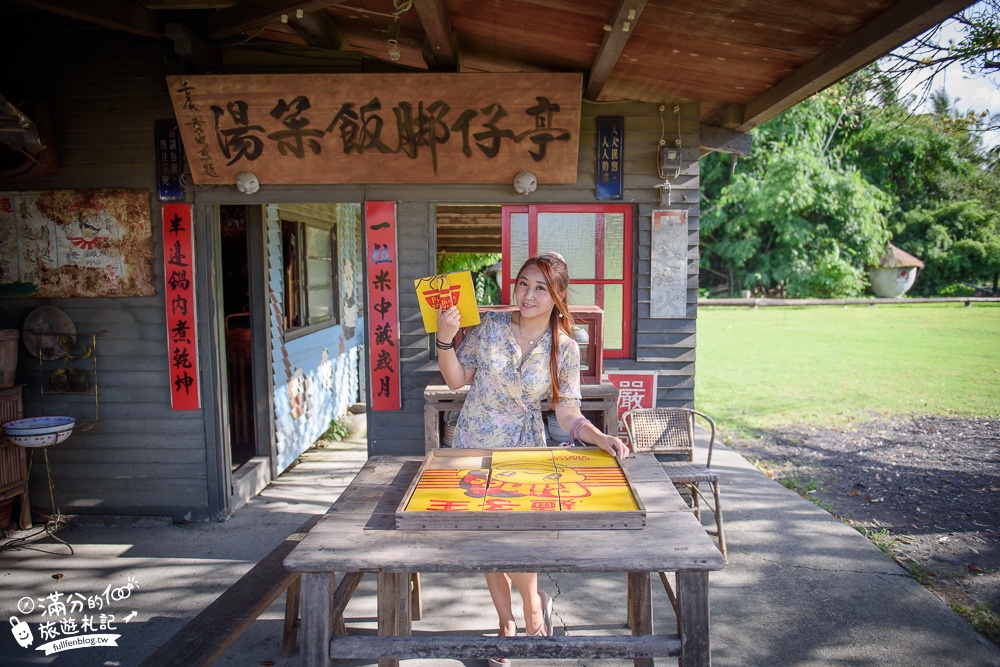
(296,281)
(628,213)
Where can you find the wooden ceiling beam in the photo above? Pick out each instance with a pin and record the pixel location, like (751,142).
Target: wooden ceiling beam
(897,25)
(441,51)
(623,22)
(120,15)
(725,141)
(192,48)
(252,14)
(319,30)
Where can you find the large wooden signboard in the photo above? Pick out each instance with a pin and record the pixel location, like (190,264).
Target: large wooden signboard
(379,128)
(544,488)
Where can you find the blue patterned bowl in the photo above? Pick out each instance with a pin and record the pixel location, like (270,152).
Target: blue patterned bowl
(39,431)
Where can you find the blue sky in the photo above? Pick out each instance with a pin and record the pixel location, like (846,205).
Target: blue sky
(978,93)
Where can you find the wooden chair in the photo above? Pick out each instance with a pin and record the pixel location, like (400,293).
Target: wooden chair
(669,433)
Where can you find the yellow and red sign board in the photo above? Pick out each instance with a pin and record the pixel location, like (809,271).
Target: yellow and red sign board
(532,480)
(444,291)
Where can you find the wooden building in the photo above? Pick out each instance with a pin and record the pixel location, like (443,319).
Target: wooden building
(283,286)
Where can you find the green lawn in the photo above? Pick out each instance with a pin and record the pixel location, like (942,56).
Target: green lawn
(830,364)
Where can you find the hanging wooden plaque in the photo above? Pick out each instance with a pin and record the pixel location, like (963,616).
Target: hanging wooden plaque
(379,128)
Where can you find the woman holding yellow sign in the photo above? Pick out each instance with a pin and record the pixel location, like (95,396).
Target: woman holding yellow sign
(513,361)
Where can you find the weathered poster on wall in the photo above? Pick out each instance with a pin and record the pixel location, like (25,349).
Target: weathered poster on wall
(76,243)
(383,304)
(668,265)
(379,128)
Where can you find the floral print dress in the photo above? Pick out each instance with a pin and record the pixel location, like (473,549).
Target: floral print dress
(502,408)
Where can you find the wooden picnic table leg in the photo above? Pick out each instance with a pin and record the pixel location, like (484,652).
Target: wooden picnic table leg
(640,609)
(316,593)
(692,596)
(393,609)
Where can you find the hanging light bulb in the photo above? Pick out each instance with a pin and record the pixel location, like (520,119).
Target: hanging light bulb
(398,7)
(393,40)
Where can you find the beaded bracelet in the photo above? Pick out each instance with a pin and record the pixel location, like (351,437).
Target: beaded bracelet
(445,346)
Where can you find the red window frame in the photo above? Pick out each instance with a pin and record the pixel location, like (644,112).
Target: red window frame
(627,211)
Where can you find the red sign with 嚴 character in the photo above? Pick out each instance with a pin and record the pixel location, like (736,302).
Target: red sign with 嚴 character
(178,276)
(383,304)
(636,389)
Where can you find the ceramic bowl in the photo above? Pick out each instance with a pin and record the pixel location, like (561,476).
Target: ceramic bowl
(39,431)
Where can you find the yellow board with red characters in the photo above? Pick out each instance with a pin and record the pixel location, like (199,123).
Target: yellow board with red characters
(521,489)
(444,291)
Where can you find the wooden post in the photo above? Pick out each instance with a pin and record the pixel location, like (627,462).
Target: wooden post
(432,431)
(393,609)
(316,621)
(692,594)
(640,609)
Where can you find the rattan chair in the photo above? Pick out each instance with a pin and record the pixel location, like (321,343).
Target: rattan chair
(669,433)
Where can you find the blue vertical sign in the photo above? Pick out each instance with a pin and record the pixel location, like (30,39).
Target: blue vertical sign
(169,161)
(610,145)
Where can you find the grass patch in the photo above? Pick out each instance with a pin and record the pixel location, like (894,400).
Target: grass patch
(830,365)
(982,618)
(880,538)
(340,430)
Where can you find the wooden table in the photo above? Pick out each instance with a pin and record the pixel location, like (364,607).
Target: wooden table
(595,398)
(358,535)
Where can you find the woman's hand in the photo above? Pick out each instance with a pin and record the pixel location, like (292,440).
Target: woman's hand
(449,322)
(613,446)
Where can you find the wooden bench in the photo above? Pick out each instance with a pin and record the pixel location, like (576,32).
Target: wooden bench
(207,636)
(210,633)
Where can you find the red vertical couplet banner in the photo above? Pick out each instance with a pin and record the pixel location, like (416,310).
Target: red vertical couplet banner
(383,304)
(636,389)
(178,277)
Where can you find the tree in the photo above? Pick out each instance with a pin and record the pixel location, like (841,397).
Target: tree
(796,219)
(832,179)
(959,242)
(977,52)
(946,202)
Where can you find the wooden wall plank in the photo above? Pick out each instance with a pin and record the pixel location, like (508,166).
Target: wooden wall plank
(105,97)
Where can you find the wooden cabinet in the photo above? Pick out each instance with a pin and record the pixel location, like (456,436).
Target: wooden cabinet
(13,459)
(600,404)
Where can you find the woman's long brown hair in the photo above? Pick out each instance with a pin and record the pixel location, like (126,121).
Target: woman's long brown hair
(556,275)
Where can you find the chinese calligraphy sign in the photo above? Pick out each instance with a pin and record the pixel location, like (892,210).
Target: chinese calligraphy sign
(636,389)
(383,305)
(379,128)
(178,277)
(610,156)
(76,243)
